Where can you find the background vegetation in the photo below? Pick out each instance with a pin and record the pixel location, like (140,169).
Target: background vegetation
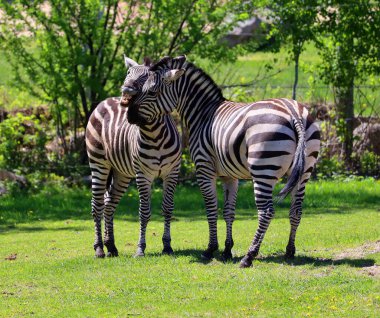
(59,68)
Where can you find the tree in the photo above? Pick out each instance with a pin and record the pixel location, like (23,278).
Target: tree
(350,52)
(293,25)
(69,53)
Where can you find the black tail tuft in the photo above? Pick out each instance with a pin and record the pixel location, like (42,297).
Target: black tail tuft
(298,166)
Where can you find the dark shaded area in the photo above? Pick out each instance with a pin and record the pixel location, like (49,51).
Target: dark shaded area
(277,258)
(74,203)
(316,261)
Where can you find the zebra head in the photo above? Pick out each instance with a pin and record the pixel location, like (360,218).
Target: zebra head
(136,76)
(155,99)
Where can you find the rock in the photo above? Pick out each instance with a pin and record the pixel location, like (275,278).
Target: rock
(368,137)
(10,176)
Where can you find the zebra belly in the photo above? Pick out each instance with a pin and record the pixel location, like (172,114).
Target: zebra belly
(232,164)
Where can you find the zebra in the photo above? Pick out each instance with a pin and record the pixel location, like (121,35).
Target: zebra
(261,141)
(120,151)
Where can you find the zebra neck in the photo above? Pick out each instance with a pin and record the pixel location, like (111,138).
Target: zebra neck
(153,131)
(200,97)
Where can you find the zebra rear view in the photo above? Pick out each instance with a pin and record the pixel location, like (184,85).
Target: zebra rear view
(261,141)
(118,152)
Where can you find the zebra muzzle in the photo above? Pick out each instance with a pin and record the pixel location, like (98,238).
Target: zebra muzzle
(124,101)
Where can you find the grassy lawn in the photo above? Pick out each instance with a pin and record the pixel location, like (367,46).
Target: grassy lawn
(54,274)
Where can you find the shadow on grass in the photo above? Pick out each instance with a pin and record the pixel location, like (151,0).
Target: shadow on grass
(196,257)
(317,261)
(30,229)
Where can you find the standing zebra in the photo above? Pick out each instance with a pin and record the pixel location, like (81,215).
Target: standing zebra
(261,141)
(123,151)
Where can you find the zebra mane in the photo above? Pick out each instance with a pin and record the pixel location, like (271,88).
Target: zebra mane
(190,66)
(180,62)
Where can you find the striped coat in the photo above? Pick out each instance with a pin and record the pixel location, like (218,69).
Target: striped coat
(119,152)
(261,141)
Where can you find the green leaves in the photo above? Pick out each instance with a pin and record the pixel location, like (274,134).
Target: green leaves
(70,52)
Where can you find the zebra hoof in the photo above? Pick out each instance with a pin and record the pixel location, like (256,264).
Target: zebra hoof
(167,250)
(112,251)
(99,253)
(139,253)
(290,252)
(226,256)
(207,255)
(246,262)
(113,254)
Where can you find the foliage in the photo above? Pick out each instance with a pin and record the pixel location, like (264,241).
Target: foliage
(293,26)
(54,271)
(187,170)
(368,163)
(349,53)
(22,143)
(76,62)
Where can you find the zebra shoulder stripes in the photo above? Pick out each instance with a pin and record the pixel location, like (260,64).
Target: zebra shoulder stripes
(119,152)
(261,141)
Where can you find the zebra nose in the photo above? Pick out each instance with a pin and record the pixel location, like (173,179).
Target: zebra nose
(129,90)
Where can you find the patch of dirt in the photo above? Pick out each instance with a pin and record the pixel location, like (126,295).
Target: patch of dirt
(372,270)
(360,251)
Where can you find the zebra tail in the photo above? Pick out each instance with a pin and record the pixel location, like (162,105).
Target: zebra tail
(109,180)
(299,160)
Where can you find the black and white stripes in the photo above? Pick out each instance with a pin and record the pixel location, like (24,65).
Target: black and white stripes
(119,152)
(261,141)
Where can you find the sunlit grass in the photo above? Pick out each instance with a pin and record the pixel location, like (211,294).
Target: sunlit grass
(55,275)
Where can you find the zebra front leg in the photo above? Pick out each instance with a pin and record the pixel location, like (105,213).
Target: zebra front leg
(144,185)
(264,203)
(169,185)
(99,175)
(112,198)
(208,189)
(230,187)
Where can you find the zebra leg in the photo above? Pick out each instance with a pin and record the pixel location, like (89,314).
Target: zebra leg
(264,203)
(207,186)
(230,187)
(295,214)
(170,183)
(116,190)
(144,185)
(99,175)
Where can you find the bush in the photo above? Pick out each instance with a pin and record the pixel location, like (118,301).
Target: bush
(22,144)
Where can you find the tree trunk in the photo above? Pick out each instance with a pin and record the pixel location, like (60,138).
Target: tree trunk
(296,63)
(344,96)
(345,109)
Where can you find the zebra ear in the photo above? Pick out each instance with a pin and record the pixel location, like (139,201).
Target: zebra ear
(129,62)
(173,75)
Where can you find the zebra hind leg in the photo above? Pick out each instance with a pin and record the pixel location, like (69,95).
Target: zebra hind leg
(144,185)
(264,203)
(116,190)
(230,187)
(295,215)
(169,185)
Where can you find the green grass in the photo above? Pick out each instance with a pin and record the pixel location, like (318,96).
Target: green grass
(56,275)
